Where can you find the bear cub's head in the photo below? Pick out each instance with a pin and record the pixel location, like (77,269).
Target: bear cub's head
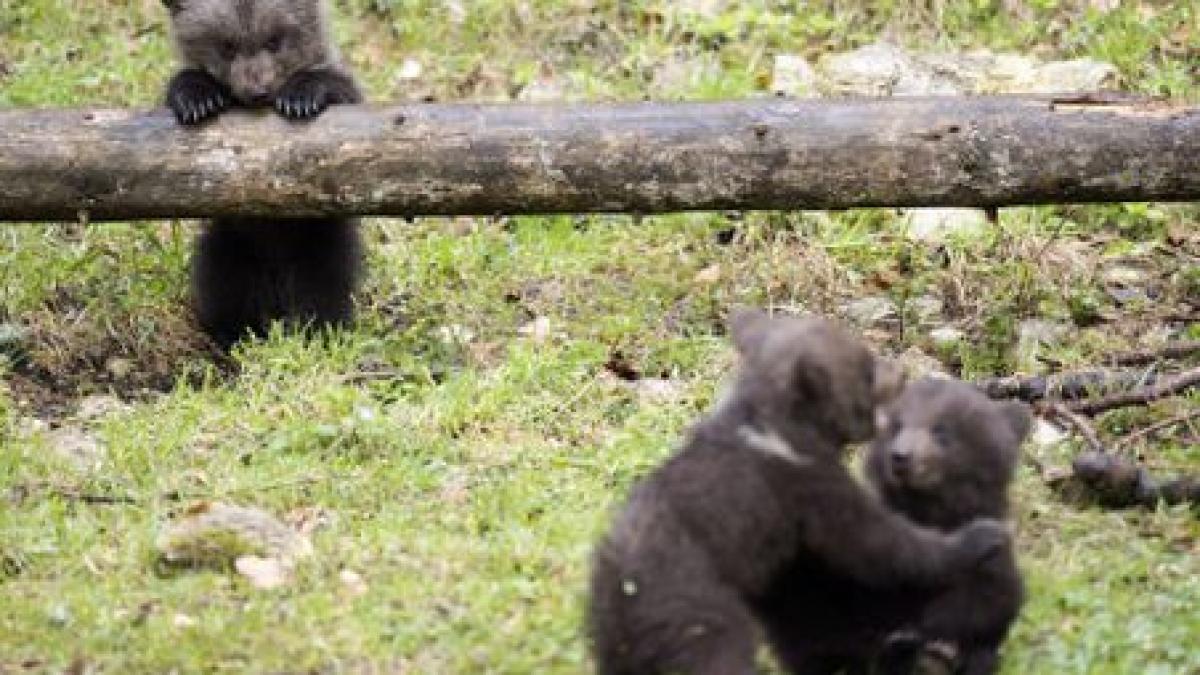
(945,453)
(251,46)
(812,370)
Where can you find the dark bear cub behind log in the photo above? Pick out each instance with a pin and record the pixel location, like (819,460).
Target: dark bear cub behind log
(944,456)
(248,272)
(757,490)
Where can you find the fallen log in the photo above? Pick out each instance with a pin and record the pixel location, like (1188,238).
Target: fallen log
(637,158)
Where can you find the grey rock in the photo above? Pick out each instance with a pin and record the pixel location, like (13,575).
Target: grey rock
(936,225)
(946,336)
(870,311)
(79,447)
(926,309)
(792,75)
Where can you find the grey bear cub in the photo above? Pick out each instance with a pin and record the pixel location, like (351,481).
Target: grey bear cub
(945,455)
(248,272)
(758,493)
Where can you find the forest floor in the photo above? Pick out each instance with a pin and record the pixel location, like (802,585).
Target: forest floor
(456,453)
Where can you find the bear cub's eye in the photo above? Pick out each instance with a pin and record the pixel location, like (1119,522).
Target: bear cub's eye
(228,49)
(941,433)
(275,42)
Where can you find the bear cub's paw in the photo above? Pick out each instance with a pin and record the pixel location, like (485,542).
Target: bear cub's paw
(307,94)
(979,540)
(194,96)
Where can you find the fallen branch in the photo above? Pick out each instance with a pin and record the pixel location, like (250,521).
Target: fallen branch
(1166,386)
(1068,386)
(1170,350)
(468,159)
(1155,428)
(1117,482)
(1080,424)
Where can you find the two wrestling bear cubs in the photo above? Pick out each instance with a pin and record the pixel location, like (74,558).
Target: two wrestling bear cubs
(756,522)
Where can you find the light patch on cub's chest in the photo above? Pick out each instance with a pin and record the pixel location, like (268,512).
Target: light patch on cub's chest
(770,443)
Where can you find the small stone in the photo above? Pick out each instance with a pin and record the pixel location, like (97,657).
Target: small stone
(872,70)
(870,311)
(216,535)
(182,621)
(100,405)
(682,72)
(708,9)
(708,275)
(59,615)
(656,390)
(1082,75)
(119,368)
(539,330)
(263,573)
(544,89)
(13,340)
(77,446)
(1008,73)
(936,225)
(917,364)
(792,75)
(1125,276)
(411,69)
(946,337)
(455,334)
(1046,435)
(1041,331)
(926,308)
(353,582)
(456,9)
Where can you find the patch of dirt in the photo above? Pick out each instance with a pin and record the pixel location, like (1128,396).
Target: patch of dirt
(69,354)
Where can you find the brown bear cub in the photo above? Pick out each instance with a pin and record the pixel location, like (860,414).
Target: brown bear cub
(758,491)
(944,456)
(248,272)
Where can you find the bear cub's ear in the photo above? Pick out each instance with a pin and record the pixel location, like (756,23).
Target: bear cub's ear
(888,380)
(749,329)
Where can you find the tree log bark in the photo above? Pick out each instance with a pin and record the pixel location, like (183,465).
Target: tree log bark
(638,158)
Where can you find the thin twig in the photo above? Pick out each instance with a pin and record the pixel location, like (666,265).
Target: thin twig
(1167,386)
(77,495)
(178,496)
(362,376)
(1060,412)
(1154,428)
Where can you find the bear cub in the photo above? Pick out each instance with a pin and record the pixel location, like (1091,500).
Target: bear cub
(757,491)
(947,454)
(249,272)
(944,456)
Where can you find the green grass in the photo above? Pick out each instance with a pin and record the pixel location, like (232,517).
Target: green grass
(463,466)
